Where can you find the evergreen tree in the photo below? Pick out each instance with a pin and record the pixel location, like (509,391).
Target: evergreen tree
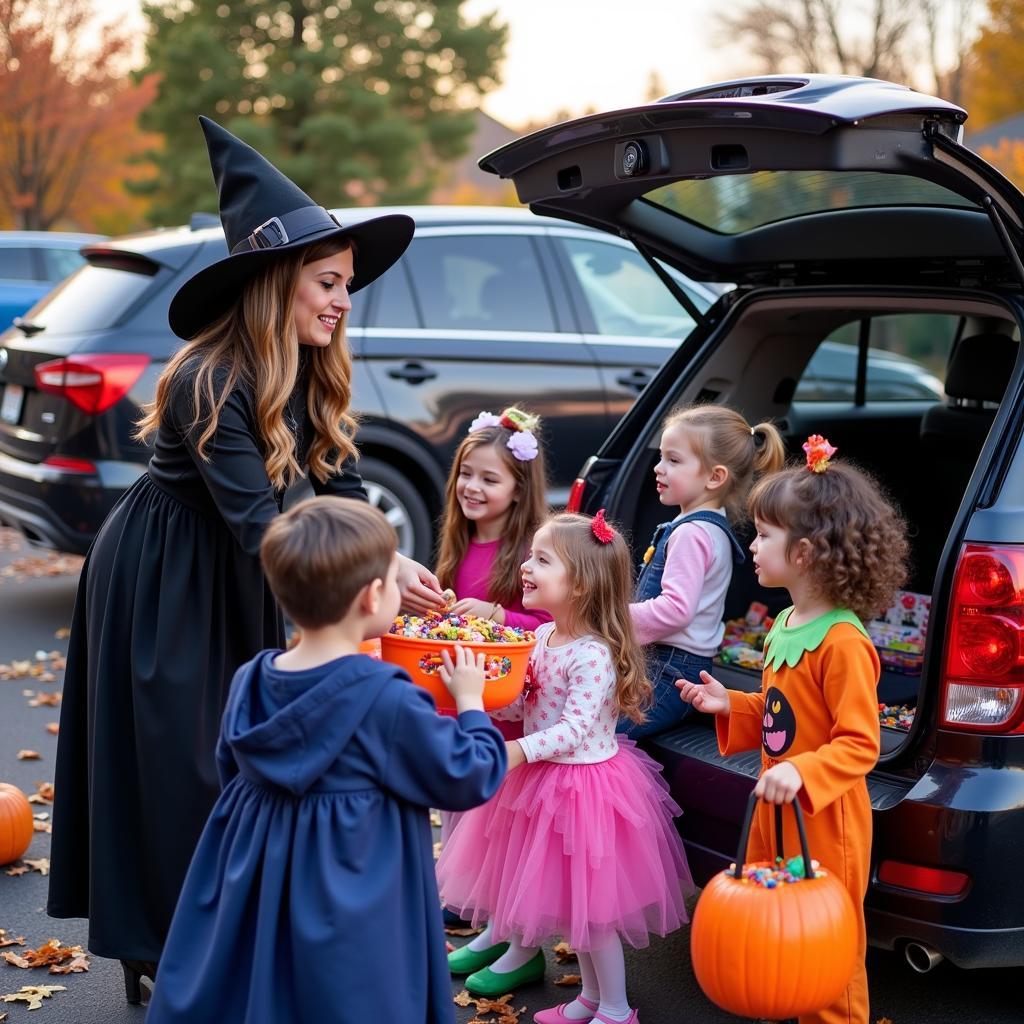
(357,101)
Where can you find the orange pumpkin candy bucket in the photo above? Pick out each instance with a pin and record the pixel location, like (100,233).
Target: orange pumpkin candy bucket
(15,823)
(779,951)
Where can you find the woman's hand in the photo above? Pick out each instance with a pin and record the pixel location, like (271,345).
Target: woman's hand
(421,593)
(464,677)
(780,784)
(516,756)
(709,695)
(471,606)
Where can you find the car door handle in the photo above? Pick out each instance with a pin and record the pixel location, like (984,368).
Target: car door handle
(636,380)
(413,372)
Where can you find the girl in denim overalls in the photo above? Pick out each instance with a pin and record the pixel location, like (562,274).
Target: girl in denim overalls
(709,457)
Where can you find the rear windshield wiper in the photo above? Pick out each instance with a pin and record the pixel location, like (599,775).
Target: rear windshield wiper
(27,327)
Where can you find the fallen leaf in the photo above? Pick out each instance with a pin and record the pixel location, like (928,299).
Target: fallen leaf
(43,793)
(33,994)
(79,964)
(34,567)
(63,633)
(463,999)
(883,1020)
(564,953)
(53,728)
(569,979)
(42,826)
(45,700)
(4,941)
(437,850)
(448,947)
(435,819)
(29,755)
(462,933)
(42,865)
(16,871)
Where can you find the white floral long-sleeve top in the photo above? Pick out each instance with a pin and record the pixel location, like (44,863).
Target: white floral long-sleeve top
(568,705)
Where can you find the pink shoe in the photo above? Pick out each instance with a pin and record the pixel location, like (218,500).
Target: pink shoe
(554,1014)
(633,1018)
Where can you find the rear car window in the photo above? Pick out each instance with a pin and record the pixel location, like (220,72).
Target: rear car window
(624,296)
(479,282)
(733,203)
(61,263)
(907,356)
(392,301)
(94,298)
(18,265)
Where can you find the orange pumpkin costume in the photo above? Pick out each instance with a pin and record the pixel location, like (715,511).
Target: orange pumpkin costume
(818,709)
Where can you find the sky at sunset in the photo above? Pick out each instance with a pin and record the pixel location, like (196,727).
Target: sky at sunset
(573,54)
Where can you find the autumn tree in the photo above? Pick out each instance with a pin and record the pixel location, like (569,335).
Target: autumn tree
(995,88)
(68,112)
(357,101)
(919,42)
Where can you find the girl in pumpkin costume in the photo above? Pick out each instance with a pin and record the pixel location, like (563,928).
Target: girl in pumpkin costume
(828,536)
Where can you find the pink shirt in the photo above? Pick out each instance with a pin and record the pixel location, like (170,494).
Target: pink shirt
(568,708)
(688,611)
(471,579)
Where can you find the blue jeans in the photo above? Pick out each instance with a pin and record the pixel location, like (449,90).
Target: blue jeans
(665,665)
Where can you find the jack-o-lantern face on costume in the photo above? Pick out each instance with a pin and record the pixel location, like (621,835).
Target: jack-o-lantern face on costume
(779,726)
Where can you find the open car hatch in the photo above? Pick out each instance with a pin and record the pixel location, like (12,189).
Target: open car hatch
(781,178)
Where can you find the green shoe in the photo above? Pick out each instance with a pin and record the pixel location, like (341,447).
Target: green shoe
(489,983)
(465,960)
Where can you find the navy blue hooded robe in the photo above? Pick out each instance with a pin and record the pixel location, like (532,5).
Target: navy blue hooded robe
(311,895)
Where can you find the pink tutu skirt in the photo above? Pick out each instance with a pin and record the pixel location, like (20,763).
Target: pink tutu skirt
(582,851)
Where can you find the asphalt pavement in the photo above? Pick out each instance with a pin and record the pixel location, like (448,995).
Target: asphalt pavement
(661,981)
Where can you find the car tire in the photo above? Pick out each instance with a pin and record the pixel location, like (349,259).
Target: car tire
(403,505)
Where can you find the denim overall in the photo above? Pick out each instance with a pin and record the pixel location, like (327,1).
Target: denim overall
(665,662)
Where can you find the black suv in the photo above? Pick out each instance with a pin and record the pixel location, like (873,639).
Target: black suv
(489,307)
(846,210)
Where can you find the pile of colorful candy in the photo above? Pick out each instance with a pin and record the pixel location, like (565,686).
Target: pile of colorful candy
(780,873)
(743,640)
(897,716)
(457,628)
(494,668)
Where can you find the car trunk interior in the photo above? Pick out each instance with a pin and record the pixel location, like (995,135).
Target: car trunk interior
(755,366)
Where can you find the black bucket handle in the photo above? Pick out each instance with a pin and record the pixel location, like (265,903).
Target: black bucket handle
(741,853)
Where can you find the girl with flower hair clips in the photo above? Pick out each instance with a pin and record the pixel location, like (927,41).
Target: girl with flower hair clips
(826,534)
(709,456)
(579,840)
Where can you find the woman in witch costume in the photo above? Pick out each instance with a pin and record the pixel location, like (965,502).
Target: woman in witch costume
(172,598)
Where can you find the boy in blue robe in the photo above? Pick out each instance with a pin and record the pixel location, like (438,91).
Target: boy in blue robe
(311,895)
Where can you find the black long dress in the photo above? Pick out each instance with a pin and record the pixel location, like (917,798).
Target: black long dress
(172,600)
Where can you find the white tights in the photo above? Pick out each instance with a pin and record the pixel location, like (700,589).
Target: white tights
(603,972)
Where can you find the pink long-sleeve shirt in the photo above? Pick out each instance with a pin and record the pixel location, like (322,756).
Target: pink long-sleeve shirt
(472,576)
(688,611)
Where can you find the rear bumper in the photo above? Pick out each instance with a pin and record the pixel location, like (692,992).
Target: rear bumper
(57,509)
(965,947)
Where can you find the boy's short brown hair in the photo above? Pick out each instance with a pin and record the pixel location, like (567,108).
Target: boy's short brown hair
(318,555)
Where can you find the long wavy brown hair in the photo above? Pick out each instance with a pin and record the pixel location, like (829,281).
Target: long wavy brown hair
(858,539)
(529,507)
(256,343)
(600,577)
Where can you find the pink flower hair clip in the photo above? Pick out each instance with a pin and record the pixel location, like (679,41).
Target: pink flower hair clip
(600,528)
(523,442)
(819,452)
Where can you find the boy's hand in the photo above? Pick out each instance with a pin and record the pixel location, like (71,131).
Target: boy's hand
(709,695)
(780,784)
(464,678)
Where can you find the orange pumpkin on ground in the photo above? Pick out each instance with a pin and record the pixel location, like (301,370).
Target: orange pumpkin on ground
(15,823)
(773,952)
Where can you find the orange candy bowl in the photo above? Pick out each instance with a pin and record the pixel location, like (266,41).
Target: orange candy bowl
(504,671)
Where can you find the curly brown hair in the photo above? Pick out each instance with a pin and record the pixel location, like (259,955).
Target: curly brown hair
(859,548)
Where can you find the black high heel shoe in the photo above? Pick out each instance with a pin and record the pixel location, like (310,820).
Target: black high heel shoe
(134,971)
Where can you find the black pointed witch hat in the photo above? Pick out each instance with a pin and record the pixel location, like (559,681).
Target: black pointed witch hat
(265,214)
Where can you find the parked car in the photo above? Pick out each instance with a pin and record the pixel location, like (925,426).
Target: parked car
(489,307)
(31,263)
(844,204)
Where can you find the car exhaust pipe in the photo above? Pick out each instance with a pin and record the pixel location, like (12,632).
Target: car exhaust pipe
(921,958)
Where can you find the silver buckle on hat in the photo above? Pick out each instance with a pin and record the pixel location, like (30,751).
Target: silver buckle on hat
(269,234)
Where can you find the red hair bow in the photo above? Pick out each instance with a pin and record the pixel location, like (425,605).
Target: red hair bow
(602,531)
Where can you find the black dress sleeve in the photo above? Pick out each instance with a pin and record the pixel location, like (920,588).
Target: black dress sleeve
(347,483)
(234,470)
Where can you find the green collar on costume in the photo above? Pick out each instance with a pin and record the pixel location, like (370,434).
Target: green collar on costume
(788,644)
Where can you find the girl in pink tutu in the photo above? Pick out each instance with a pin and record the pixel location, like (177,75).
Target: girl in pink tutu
(579,840)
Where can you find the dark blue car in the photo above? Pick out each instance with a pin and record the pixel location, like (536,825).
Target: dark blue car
(848,212)
(31,263)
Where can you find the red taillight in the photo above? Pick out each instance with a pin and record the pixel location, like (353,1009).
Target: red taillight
(575,502)
(983,668)
(934,881)
(92,382)
(69,464)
